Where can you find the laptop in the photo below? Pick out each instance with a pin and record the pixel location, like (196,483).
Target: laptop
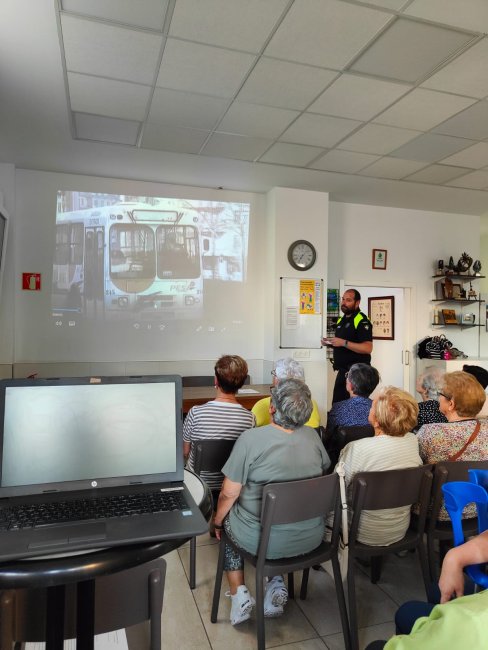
(66,440)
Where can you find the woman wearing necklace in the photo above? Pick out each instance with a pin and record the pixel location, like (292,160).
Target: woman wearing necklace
(463,437)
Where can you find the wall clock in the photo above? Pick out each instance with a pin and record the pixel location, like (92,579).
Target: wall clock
(302,255)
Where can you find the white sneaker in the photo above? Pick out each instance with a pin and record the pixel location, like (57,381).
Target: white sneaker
(242,604)
(275,597)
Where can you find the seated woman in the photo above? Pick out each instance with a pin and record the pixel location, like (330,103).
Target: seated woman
(222,418)
(393,415)
(428,388)
(285,450)
(286,368)
(463,437)
(361,380)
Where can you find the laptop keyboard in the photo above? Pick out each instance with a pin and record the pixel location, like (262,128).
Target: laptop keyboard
(116,506)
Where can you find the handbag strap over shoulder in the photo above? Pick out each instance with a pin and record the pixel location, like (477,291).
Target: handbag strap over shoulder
(464,447)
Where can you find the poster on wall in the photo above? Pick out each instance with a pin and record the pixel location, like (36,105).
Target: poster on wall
(310,297)
(381,313)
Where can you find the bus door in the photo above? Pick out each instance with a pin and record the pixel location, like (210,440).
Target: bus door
(94,271)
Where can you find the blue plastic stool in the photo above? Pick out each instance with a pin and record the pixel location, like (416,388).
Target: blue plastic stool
(457,495)
(479,476)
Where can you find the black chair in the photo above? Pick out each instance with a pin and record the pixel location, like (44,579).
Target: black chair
(378,491)
(121,600)
(441,531)
(342,436)
(209,456)
(285,503)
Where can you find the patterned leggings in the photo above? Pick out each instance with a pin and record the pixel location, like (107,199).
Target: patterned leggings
(233,561)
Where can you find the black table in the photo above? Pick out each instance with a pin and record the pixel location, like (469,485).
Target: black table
(56,572)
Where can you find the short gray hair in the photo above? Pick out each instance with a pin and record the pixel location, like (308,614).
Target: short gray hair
(430,381)
(293,403)
(363,379)
(288,368)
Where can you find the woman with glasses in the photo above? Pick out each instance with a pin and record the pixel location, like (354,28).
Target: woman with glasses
(427,386)
(463,436)
(361,380)
(286,368)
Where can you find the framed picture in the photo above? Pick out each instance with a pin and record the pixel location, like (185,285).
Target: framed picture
(379,258)
(449,316)
(457,292)
(381,312)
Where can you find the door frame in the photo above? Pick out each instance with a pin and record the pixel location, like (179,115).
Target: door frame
(408,353)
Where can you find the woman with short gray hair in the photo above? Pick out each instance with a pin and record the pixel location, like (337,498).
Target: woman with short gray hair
(361,380)
(428,387)
(284,450)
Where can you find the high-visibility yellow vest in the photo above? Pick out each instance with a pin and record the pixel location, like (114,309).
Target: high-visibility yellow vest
(357,319)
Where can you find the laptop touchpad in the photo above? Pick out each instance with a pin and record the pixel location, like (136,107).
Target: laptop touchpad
(73,534)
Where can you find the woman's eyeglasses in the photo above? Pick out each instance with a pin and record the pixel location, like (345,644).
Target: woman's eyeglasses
(273,373)
(445,396)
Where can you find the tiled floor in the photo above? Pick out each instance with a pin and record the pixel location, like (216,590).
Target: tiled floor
(312,624)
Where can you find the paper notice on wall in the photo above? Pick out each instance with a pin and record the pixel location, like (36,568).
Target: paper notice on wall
(291,318)
(310,297)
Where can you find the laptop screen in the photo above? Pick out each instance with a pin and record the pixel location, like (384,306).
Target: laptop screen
(84,433)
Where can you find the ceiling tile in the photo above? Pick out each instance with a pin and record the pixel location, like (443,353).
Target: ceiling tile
(149,13)
(285,85)
(235,146)
(165,138)
(465,75)
(335,32)
(393,168)
(257,121)
(105,129)
(319,130)
(359,98)
(344,161)
(430,147)
(474,157)
(229,23)
(107,97)
(422,109)
(437,174)
(471,123)
(408,50)
(378,139)
(110,51)
(474,180)
(202,69)
(468,14)
(173,107)
(298,155)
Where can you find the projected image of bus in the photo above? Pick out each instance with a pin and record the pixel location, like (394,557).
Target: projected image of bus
(121,257)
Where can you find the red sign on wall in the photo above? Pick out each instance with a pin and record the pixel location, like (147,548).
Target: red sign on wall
(31,281)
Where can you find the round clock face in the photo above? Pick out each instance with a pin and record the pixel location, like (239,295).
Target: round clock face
(302,255)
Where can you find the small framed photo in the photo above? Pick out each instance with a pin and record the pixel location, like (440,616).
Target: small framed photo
(452,291)
(449,316)
(379,258)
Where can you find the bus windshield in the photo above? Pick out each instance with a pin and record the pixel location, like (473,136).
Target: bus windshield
(178,252)
(132,251)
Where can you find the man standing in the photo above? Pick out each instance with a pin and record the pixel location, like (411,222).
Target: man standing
(352,343)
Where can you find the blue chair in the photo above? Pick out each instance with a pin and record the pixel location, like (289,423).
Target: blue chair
(479,476)
(457,495)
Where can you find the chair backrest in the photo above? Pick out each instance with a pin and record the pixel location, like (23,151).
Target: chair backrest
(447,471)
(479,476)
(350,434)
(391,489)
(211,455)
(295,501)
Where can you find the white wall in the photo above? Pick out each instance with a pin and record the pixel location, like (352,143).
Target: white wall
(7,189)
(415,240)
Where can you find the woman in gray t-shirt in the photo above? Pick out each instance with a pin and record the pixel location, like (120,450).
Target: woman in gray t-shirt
(284,450)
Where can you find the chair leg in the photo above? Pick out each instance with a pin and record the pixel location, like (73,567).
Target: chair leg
(291,585)
(376,565)
(193,561)
(304,586)
(218,580)
(156,589)
(432,558)
(341,601)
(260,632)
(351,595)
(424,565)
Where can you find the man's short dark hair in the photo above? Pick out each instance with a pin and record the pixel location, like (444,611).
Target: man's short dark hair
(357,295)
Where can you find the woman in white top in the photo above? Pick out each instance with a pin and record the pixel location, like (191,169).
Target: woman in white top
(393,415)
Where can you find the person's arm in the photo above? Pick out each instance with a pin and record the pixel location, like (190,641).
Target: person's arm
(228,496)
(186,449)
(365,347)
(451,581)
